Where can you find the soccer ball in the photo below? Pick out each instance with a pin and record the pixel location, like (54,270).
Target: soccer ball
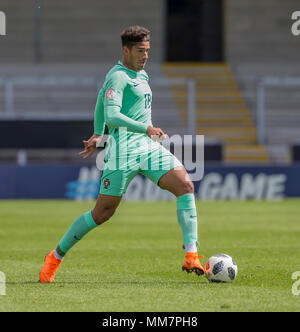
(221,268)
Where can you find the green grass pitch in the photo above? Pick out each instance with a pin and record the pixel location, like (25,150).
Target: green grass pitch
(133,262)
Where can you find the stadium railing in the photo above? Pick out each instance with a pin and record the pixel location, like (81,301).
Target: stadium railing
(59,127)
(264,82)
(11,83)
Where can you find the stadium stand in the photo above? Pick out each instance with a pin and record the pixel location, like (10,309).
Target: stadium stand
(259,43)
(55,100)
(67,28)
(43,91)
(220,109)
(72,32)
(282,116)
(259,32)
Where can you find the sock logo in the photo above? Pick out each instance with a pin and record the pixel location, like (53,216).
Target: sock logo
(2,24)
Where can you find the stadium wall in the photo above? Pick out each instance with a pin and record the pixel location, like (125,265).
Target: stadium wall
(260,32)
(51,181)
(76,31)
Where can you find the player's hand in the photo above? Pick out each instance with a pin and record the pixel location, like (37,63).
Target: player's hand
(90,146)
(156,134)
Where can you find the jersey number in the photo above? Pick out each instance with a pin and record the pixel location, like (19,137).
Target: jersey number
(147,100)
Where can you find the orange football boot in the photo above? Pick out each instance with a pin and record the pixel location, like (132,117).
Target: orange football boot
(51,264)
(192,263)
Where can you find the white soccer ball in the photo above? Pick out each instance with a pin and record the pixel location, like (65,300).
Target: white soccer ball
(221,268)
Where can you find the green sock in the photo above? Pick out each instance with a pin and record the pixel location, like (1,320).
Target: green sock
(187,219)
(76,232)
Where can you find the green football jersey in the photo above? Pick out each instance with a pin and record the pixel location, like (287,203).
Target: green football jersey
(124,102)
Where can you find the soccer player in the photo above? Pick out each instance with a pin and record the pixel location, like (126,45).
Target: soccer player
(124,105)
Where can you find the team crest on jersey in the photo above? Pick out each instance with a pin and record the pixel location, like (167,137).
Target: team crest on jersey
(110,93)
(106,183)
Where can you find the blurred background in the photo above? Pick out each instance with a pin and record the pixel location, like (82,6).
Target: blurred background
(226,69)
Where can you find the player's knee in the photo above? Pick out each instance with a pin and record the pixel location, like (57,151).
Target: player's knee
(106,216)
(102,216)
(188,187)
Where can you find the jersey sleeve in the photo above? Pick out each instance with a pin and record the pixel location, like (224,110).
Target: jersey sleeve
(114,89)
(113,117)
(99,124)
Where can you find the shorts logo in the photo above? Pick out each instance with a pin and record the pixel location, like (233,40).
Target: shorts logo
(110,93)
(106,183)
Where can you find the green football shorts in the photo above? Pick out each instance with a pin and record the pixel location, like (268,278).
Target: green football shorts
(118,172)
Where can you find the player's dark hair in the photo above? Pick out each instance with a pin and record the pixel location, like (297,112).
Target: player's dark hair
(134,34)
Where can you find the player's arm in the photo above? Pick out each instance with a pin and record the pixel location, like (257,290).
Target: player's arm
(99,123)
(115,118)
(90,146)
(93,142)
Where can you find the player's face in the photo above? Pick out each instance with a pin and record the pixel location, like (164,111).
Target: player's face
(137,56)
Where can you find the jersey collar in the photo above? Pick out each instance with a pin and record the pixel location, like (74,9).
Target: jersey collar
(141,73)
